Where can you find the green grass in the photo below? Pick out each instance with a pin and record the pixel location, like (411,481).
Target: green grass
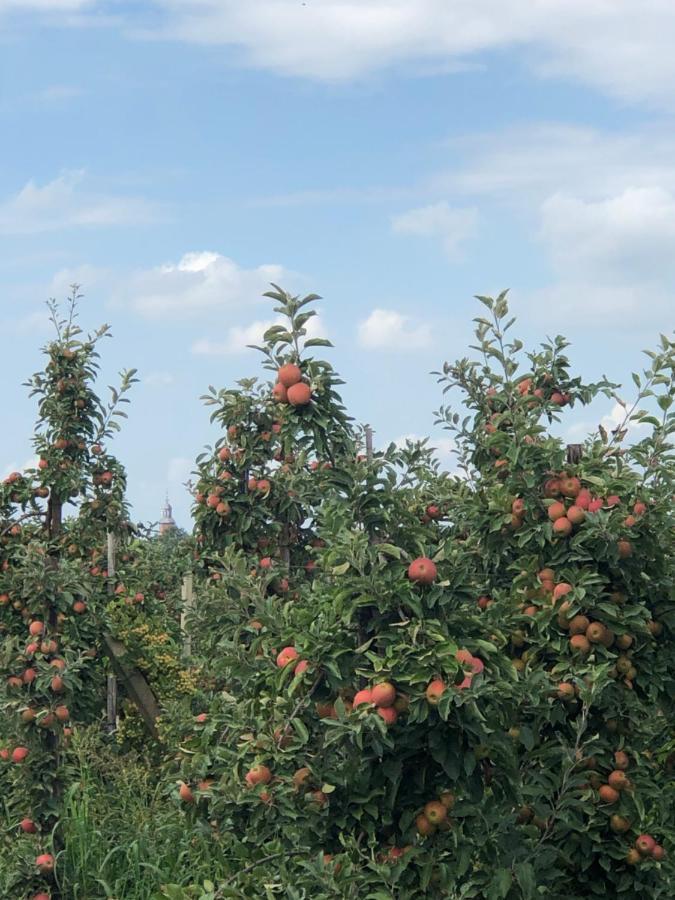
(122,835)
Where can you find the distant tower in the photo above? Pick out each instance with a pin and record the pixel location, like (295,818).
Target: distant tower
(167,522)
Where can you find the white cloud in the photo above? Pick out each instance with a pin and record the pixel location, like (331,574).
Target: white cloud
(633,230)
(158,379)
(385,329)
(43,5)
(236,341)
(66,202)
(451,225)
(239,338)
(199,282)
(622,46)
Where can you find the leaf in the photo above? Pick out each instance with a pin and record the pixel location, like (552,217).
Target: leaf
(317,342)
(526,880)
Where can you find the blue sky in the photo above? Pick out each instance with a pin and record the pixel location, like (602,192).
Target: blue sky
(395,156)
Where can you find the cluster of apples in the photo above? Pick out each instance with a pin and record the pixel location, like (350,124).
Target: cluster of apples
(290,387)
(645,848)
(434,816)
(290,655)
(384,698)
(471,666)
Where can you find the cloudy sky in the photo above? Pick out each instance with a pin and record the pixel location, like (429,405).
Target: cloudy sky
(395,156)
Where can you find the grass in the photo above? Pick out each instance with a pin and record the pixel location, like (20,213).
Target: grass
(122,835)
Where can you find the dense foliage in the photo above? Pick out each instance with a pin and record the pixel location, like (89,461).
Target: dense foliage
(391,681)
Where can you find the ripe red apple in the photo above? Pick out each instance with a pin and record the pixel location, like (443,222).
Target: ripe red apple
(383,694)
(576,515)
(45,863)
(562,527)
(363,696)
(618,780)
(36,628)
(645,844)
(658,853)
(185,793)
(422,570)
(28,826)
(19,754)
(280,393)
(289,374)
(608,794)
(639,508)
(258,775)
(62,713)
(561,589)
(301,667)
(570,486)
(287,655)
(625,549)
(434,691)
(388,713)
(299,394)
(201,718)
(264,486)
(583,498)
(484,602)
(613,500)
(265,562)
(596,504)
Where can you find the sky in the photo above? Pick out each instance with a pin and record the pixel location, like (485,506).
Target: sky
(397,157)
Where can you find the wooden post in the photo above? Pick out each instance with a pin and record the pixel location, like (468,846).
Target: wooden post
(574,453)
(369,443)
(111,697)
(187,595)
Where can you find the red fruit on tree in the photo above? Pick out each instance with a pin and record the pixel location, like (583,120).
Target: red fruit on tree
(645,844)
(289,374)
(363,696)
(258,775)
(300,394)
(562,527)
(388,713)
(19,754)
(422,570)
(383,694)
(434,691)
(45,863)
(28,826)
(287,655)
(280,393)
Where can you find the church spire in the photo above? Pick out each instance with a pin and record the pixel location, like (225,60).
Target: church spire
(167,522)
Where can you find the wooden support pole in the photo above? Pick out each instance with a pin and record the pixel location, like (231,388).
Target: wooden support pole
(187,595)
(369,443)
(111,691)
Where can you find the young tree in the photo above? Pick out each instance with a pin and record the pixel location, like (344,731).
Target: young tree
(405,701)
(51,602)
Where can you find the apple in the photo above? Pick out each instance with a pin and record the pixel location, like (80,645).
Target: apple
(363,696)
(36,628)
(383,694)
(299,394)
(19,754)
(388,713)
(434,691)
(45,863)
(436,812)
(185,793)
(287,655)
(422,570)
(258,775)
(289,374)
(28,826)
(645,844)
